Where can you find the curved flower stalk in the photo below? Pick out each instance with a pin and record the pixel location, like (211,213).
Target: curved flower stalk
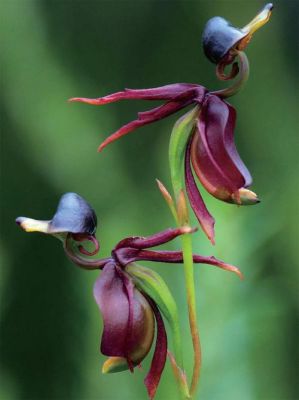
(132,299)
(211,150)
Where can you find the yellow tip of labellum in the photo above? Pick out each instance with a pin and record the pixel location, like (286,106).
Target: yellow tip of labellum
(32,225)
(261,19)
(114,364)
(245,197)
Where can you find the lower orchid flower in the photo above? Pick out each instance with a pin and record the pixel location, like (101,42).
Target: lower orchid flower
(209,144)
(134,301)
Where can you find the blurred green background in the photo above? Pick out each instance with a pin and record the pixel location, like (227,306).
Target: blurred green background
(50,324)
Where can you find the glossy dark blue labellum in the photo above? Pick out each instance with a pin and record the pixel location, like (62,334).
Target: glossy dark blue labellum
(219,36)
(74,215)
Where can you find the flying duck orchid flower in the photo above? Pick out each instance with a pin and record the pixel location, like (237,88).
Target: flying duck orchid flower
(209,143)
(132,299)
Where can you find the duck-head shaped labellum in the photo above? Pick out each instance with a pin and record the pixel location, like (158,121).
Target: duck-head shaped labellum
(214,156)
(73,215)
(220,36)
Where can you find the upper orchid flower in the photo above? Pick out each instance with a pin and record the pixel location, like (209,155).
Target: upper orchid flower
(210,147)
(130,297)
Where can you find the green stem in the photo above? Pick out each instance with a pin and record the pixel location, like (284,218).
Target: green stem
(241,80)
(177,147)
(191,300)
(177,363)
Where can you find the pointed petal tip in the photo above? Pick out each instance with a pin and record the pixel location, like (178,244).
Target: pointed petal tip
(212,240)
(167,197)
(78,100)
(208,227)
(189,229)
(164,191)
(85,100)
(100,148)
(234,269)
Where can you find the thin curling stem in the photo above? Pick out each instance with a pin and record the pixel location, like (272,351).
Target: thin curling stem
(77,256)
(220,73)
(92,239)
(241,77)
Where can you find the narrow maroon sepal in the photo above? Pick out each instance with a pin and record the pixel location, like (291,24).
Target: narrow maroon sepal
(221,121)
(166,92)
(205,219)
(147,117)
(153,377)
(139,242)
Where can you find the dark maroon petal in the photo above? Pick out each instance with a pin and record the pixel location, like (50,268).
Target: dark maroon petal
(126,255)
(153,377)
(211,260)
(209,172)
(130,127)
(127,316)
(133,255)
(112,299)
(154,115)
(157,239)
(130,334)
(182,100)
(231,147)
(166,92)
(140,332)
(176,257)
(221,124)
(213,153)
(205,219)
(178,95)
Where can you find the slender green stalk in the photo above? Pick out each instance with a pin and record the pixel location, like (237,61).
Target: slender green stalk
(178,142)
(191,300)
